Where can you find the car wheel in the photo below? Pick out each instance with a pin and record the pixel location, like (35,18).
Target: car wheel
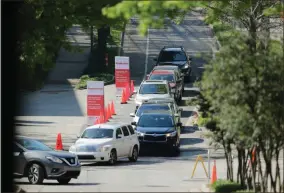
(134,155)
(64,180)
(35,174)
(175,151)
(112,157)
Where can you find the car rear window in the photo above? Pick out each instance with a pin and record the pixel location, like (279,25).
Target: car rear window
(153,89)
(125,131)
(131,129)
(159,76)
(168,56)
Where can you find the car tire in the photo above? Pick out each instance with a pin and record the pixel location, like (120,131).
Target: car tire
(134,155)
(112,157)
(64,180)
(175,151)
(35,174)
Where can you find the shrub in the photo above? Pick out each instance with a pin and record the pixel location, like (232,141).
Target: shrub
(226,186)
(107,78)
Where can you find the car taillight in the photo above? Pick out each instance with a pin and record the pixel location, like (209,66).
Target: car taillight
(172,84)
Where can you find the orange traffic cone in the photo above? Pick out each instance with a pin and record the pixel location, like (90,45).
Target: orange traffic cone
(214,173)
(106,114)
(132,87)
(112,108)
(123,97)
(59,145)
(109,110)
(102,119)
(127,92)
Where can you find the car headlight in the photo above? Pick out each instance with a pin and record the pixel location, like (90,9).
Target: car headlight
(103,148)
(140,134)
(72,149)
(171,134)
(185,66)
(54,159)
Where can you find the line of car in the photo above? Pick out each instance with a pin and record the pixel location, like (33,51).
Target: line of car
(156,122)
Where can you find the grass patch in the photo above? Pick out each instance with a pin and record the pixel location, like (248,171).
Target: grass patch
(226,186)
(106,77)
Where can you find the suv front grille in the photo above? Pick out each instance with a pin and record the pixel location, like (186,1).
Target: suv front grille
(154,138)
(85,157)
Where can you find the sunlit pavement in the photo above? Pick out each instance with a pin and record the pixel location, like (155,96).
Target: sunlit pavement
(64,111)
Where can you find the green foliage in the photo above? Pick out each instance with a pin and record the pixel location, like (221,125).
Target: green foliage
(107,78)
(150,13)
(226,186)
(202,121)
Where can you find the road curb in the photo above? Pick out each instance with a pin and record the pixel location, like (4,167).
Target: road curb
(205,188)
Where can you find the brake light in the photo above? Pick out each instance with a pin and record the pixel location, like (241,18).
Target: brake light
(172,84)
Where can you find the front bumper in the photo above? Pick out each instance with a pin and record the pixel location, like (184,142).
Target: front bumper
(159,140)
(56,170)
(91,157)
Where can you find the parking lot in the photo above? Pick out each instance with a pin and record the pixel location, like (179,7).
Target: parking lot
(62,109)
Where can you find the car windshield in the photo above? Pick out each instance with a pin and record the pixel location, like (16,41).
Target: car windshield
(153,89)
(168,77)
(144,108)
(155,121)
(168,56)
(31,144)
(97,133)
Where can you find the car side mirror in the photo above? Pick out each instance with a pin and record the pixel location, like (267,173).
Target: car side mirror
(155,59)
(190,58)
(179,124)
(78,136)
(135,92)
(119,136)
(176,115)
(180,109)
(132,115)
(147,76)
(133,123)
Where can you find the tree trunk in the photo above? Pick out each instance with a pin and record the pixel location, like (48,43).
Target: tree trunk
(103,34)
(92,38)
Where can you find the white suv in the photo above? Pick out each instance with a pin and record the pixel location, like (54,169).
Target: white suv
(153,89)
(107,143)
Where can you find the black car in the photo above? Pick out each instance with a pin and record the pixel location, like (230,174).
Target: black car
(159,129)
(175,56)
(37,162)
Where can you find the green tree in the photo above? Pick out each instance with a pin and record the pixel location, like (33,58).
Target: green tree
(248,95)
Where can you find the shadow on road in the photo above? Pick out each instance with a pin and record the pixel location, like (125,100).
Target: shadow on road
(191,141)
(186,113)
(31,123)
(55,183)
(189,129)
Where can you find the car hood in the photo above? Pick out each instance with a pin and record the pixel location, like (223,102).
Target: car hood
(59,154)
(83,141)
(177,63)
(157,130)
(149,96)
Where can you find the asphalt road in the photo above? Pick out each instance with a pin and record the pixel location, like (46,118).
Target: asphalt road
(154,171)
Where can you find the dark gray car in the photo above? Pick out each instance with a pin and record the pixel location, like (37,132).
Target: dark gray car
(37,162)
